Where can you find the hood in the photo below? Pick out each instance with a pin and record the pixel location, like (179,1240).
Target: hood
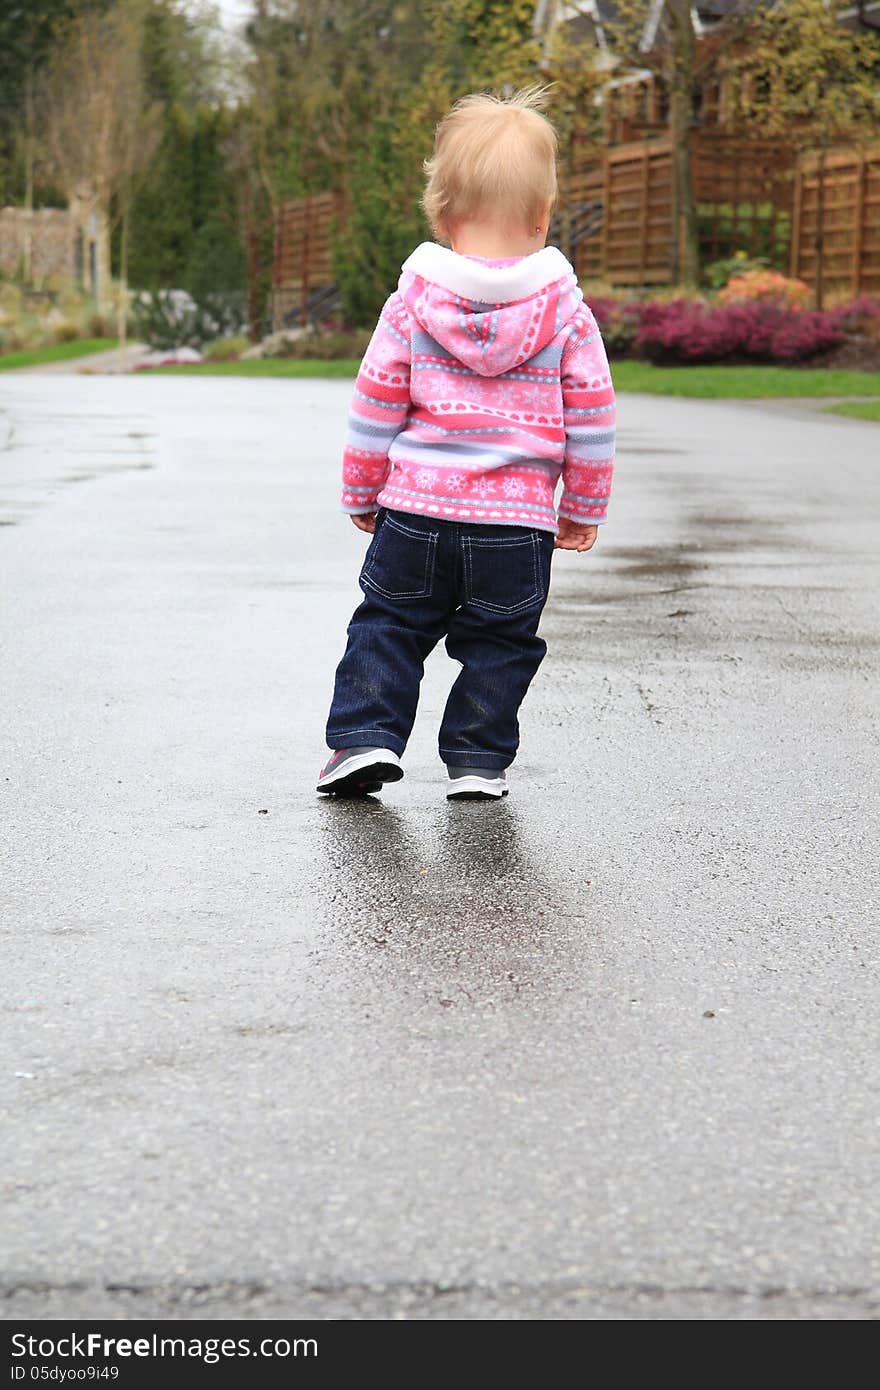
(491,317)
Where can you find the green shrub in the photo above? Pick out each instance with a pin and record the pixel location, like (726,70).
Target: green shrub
(326,346)
(385,224)
(216,263)
(100,326)
(63,331)
(10,339)
(60,312)
(720,273)
(225,349)
(174,318)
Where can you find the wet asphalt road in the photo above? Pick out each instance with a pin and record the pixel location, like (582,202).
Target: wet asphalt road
(608,1050)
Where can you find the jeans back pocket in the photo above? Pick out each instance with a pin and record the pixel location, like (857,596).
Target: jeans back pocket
(503,575)
(400,561)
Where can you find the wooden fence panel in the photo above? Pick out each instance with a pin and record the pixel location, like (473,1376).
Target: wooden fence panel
(636,238)
(750,196)
(868,278)
(303,251)
(743,189)
(847,203)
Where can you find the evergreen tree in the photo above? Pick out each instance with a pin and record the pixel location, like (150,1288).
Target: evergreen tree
(384,225)
(190,186)
(184,219)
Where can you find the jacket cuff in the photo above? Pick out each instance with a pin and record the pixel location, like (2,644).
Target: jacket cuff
(356,506)
(584,511)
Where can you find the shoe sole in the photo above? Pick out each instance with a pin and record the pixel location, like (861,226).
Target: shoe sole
(475,789)
(361,781)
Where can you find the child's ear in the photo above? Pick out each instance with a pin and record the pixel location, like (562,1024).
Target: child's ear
(545,215)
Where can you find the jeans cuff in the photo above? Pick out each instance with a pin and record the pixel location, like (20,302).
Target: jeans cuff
(366,738)
(490,762)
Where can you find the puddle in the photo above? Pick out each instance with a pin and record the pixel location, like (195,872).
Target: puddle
(641,561)
(709,591)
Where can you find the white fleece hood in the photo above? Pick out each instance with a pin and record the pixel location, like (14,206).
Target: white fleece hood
(491,318)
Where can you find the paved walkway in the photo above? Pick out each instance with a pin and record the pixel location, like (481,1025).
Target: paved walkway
(113,363)
(608,1050)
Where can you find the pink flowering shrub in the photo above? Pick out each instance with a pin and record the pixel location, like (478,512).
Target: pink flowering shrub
(687,332)
(861,316)
(799,337)
(618,320)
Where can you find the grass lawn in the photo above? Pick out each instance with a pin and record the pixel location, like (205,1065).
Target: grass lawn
(56,352)
(739,383)
(859,410)
(742,383)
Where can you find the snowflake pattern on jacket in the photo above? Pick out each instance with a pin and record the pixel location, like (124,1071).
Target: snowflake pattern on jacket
(483,384)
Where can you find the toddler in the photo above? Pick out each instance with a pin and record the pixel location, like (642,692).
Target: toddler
(484,382)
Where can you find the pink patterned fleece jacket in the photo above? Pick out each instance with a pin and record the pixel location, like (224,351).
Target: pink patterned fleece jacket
(482,384)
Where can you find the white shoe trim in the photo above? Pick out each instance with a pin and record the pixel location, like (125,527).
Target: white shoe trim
(486,786)
(356,764)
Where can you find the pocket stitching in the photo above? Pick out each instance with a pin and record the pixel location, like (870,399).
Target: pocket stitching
(409,530)
(534,597)
(430,548)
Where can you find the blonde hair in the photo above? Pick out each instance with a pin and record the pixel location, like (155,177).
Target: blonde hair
(493,157)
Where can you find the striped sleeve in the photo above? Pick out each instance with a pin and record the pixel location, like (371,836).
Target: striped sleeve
(379,408)
(590,418)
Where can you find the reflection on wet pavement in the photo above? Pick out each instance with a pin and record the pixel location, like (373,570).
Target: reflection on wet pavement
(453,908)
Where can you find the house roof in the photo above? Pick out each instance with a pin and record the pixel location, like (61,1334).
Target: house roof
(863,14)
(587,18)
(584,16)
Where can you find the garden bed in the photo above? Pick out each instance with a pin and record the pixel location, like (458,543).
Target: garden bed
(737,332)
(854,355)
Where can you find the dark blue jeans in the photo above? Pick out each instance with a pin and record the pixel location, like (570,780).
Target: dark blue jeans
(481,587)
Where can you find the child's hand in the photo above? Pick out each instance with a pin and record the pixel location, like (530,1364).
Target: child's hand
(571,536)
(365,521)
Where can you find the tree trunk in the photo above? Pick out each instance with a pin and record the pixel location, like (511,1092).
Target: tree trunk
(122,316)
(685,245)
(27,240)
(820,229)
(253,282)
(249,229)
(102,237)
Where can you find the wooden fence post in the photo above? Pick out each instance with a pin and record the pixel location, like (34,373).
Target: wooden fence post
(306,256)
(795,250)
(859,223)
(278,233)
(643,229)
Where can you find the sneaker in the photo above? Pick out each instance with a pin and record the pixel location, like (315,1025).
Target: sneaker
(358,771)
(476,784)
